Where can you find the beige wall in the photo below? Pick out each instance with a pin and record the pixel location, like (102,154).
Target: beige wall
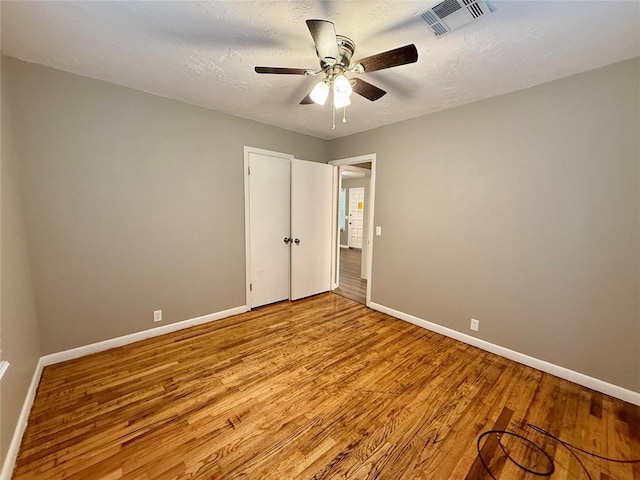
(133,203)
(20,339)
(522,211)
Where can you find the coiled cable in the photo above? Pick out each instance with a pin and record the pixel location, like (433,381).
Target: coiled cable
(572,449)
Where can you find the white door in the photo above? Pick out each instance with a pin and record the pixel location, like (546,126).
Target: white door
(356,217)
(269,220)
(311,227)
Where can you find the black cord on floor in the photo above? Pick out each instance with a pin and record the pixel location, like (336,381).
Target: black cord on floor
(531,444)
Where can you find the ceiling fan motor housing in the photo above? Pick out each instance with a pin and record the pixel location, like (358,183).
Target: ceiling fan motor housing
(346,47)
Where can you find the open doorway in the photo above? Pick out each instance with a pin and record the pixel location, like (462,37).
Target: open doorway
(352,267)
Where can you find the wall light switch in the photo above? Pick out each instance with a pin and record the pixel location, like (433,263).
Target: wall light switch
(378,231)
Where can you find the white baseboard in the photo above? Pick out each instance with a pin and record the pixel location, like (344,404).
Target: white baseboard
(562,372)
(344,246)
(134,337)
(14,446)
(16,440)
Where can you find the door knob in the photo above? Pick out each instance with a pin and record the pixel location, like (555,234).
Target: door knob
(287,240)
(297,241)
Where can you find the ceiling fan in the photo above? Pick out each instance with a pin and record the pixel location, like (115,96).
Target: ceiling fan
(335,52)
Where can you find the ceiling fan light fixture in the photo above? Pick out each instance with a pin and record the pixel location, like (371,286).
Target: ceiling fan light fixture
(341,102)
(341,87)
(320,92)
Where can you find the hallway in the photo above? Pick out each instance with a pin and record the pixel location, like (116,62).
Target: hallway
(351,285)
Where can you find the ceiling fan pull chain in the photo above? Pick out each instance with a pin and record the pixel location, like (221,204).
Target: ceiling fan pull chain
(344,114)
(333,109)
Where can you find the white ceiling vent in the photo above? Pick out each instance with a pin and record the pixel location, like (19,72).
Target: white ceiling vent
(452,14)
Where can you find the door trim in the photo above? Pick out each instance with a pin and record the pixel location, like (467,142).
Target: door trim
(370,157)
(247,220)
(335,244)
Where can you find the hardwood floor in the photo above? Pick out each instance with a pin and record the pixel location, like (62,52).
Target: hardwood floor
(351,285)
(316,389)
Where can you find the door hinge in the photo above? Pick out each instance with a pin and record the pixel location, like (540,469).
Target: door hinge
(248,170)
(251,287)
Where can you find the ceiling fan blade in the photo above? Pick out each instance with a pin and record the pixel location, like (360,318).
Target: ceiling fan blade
(324,36)
(392,58)
(282,70)
(368,91)
(306,100)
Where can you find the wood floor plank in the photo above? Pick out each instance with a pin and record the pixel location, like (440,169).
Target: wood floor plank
(321,388)
(351,284)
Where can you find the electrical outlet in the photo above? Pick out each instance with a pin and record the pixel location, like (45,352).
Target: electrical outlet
(475,324)
(157,315)
(378,231)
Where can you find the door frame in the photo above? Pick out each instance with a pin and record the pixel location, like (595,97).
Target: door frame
(247,220)
(336,245)
(370,157)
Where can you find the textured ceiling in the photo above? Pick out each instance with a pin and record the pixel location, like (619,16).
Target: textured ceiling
(204,52)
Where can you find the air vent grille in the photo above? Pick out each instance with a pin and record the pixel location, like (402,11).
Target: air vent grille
(474,9)
(429,17)
(450,15)
(434,23)
(446,8)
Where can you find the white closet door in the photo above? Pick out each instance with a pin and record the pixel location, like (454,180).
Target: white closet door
(269,207)
(311,220)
